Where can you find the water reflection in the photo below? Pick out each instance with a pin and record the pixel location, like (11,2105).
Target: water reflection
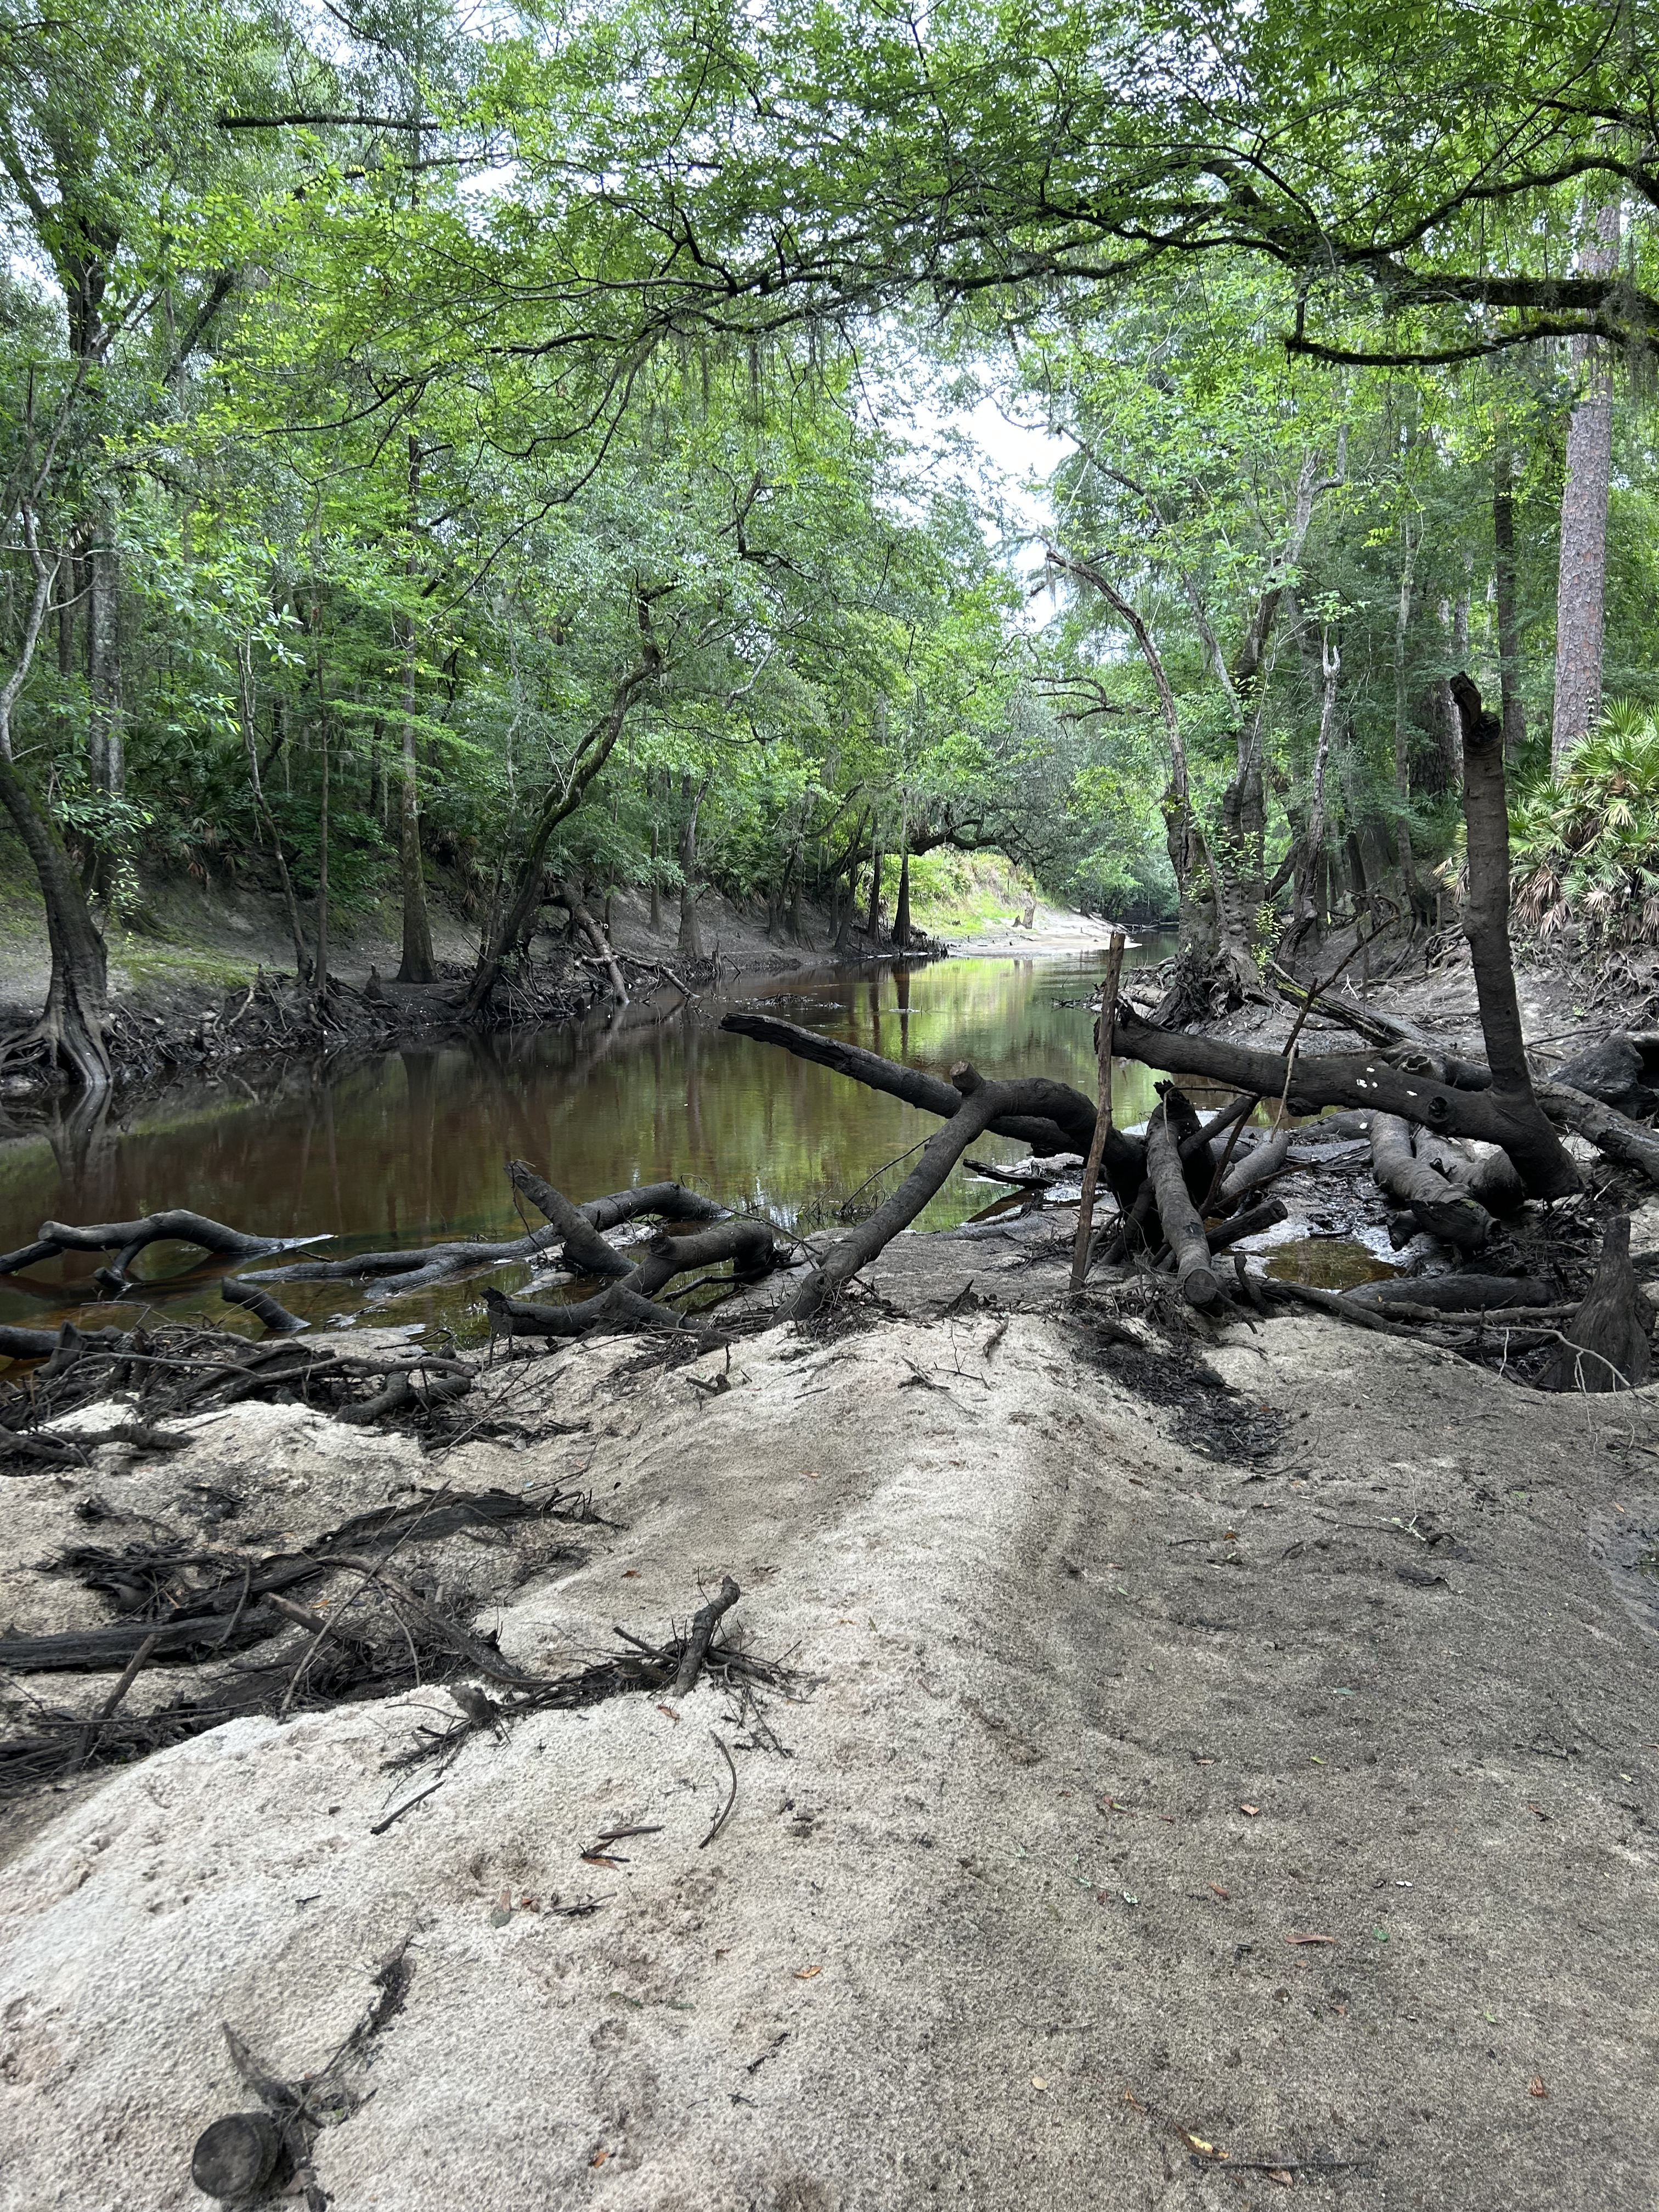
(411,1146)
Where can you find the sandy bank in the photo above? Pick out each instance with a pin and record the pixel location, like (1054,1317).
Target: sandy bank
(1116,1672)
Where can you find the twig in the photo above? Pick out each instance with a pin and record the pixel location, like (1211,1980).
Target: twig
(725,1813)
(703,1622)
(380,1827)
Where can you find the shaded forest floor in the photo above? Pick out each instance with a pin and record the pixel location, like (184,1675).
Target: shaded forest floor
(1205,1767)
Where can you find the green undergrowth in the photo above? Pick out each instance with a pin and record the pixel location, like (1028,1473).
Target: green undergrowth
(951,892)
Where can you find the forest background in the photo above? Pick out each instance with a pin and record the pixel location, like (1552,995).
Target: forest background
(451,451)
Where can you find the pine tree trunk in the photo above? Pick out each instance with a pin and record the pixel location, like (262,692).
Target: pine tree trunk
(1582,584)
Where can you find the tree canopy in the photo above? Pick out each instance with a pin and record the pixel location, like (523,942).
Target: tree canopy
(445,456)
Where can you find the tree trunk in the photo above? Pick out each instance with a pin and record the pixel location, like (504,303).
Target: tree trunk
(1514,712)
(75,1017)
(78,999)
(267,820)
(874,927)
(418,965)
(1545,1166)
(656,888)
(1435,1204)
(901,911)
(1311,844)
(690,937)
(320,979)
(581,917)
(595,749)
(1582,584)
(1607,1345)
(106,743)
(1189,858)
(1402,783)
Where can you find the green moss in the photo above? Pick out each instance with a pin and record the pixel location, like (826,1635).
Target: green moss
(147,963)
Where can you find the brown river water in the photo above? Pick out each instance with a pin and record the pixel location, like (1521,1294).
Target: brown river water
(408,1147)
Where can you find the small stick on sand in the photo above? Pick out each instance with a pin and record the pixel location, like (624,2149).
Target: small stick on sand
(704,1621)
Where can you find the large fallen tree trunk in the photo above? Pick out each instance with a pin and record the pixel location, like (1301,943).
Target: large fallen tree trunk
(1406,1048)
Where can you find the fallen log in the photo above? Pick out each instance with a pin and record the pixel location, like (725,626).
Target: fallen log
(127,1239)
(1435,1204)
(1453,1293)
(1370,1082)
(1254,1219)
(260,1304)
(1259,1165)
(99,1650)
(1606,1345)
(1488,1178)
(1604,1127)
(1615,1071)
(1594,1119)
(1177,1212)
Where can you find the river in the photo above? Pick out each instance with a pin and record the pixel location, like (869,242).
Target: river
(408,1147)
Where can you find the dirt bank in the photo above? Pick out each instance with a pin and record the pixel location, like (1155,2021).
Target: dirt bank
(1120,1672)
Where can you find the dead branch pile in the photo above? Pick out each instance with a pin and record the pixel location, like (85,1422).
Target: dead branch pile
(1459,1144)
(182,1604)
(152,1377)
(669,1669)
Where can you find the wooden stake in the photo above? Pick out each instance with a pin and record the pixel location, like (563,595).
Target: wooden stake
(1086,1216)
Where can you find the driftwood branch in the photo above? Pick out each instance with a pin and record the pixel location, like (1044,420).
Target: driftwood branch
(1063,1121)
(127,1239)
